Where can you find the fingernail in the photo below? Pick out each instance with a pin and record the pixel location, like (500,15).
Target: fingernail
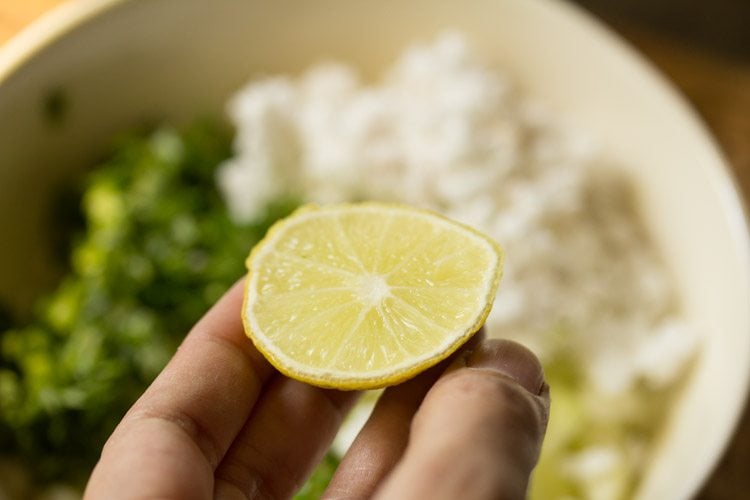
(511,360)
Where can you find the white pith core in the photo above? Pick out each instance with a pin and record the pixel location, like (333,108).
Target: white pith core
(373,289)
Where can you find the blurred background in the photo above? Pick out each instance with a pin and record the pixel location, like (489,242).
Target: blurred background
(704,48)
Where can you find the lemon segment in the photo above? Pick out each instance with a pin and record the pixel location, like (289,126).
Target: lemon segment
(361,296)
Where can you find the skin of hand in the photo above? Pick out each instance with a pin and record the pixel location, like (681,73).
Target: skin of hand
(220,422)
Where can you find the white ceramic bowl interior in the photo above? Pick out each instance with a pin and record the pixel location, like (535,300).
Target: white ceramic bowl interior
(120,62)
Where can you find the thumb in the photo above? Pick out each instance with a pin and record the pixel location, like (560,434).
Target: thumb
(479,430)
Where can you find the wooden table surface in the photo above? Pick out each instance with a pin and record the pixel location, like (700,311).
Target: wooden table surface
(719,89)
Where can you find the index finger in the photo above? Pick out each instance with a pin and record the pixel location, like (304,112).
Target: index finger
(191,413)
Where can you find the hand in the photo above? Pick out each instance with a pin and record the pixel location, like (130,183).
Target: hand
(220,422)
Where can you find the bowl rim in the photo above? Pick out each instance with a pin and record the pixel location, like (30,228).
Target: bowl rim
(47,29)
(66,17)
(722,179)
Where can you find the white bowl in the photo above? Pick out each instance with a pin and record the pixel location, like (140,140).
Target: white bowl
(122,62)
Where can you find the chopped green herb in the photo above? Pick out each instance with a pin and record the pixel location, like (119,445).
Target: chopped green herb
(158,250)
(318,482)
(56,106)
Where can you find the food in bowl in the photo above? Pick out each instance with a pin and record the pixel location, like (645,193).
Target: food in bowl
(155,249)
(583,286)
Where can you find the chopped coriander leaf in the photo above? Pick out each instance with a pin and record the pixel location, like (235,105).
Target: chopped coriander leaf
(157,251)
(56,106)
(318,481)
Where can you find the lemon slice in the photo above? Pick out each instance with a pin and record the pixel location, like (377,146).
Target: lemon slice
(361,296)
